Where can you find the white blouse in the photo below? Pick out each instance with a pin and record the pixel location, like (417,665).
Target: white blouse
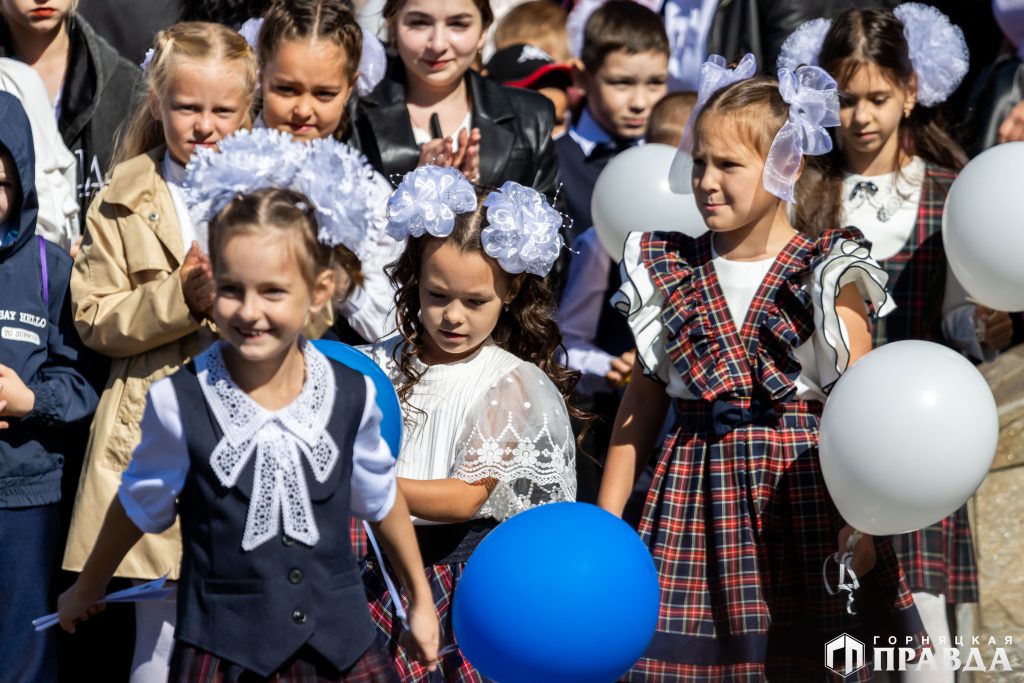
(823,357)
(488,416)
(160,464)
(899,194)
(174,175)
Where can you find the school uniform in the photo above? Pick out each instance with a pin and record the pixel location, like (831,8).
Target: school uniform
(268,585)
(738,520)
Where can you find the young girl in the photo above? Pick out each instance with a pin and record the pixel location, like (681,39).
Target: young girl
(141,290)
(487,432)
(89,85)
(889,176)
(309,55)
(745,329)
(265,448)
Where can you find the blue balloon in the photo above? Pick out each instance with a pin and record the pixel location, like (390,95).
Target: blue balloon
(563,592)
(387,399)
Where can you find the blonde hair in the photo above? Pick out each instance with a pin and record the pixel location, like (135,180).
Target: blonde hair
(194,41)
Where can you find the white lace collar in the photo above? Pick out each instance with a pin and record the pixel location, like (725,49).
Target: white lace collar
(280,439)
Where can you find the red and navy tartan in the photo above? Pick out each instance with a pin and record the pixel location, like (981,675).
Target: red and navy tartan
(193,665)
(453,667)
(939,558)
(739,526)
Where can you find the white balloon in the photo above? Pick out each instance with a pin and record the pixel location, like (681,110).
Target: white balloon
(907,435)
(983,227)
(632,195)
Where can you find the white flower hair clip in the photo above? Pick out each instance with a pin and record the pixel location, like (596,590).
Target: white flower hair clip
(250,30)
(938,51)
(147,60)
(427,200)
(523,230)
(803,45)
(335,178)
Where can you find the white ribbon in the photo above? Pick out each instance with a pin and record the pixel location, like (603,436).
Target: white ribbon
(845,562)
(277,442)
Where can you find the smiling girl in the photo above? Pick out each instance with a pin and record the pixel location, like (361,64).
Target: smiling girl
(141,289)
(745,329)
(487,431)
(489,132)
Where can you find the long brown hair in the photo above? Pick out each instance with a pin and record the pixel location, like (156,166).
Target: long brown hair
(331,20)
(187,41)
(855,39)
(526,328)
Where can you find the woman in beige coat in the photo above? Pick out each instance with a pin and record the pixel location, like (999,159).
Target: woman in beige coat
(141,288)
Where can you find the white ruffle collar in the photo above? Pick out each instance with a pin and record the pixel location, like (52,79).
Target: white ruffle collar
(279,439)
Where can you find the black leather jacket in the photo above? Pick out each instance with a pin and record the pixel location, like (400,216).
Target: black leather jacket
(996,92)
(515,131)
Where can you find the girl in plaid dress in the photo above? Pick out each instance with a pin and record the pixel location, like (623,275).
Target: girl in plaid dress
(889,176)
(487,431)
(745,329)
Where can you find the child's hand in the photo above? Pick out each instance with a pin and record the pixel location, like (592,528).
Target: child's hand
(424,635)
(197,282)
(74,606)
(16,399)
(863,552)
(998,327)
(622,368)
(437,152)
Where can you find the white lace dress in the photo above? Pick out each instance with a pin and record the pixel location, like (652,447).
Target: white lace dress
(489,416)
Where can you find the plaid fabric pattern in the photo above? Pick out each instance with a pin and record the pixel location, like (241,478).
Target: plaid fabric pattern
(193,665)
(939,558)
(740,526)
(360,546)
(453,667)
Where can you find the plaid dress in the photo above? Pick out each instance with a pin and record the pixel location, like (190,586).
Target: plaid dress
(192,665)
(940,558)
(738,519)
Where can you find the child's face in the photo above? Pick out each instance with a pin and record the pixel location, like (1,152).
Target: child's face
(621,94)
(263,299)
(438,40)
(461,297)
(10,187)
(38,16)
(204,104)
(871,108)
(728,175)
(305,88)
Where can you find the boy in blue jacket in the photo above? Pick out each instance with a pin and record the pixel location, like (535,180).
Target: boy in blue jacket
(43,392)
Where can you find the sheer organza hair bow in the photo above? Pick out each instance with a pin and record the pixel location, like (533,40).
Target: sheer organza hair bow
(522,232)
(813,103)
(715,75)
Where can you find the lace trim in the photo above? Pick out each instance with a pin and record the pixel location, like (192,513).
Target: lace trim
(279,439)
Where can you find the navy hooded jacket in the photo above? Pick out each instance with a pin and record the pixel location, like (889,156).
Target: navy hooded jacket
(37,337)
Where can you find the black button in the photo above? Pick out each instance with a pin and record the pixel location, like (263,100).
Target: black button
(295,576)
(288,542)
(299,617)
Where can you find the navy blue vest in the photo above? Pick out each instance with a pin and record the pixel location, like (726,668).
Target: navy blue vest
(613,333)
(258,608)
(578,174)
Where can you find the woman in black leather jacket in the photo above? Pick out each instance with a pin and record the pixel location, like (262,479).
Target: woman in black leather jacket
(491,132)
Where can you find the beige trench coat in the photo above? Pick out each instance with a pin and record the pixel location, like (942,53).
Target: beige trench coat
(128,304)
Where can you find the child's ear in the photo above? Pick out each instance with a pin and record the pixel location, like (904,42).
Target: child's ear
(580,77)
(911,96)
(323,289)
(513,289)
(154,106)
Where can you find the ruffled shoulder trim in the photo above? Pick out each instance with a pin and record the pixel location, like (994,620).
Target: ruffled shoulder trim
(655,268)
(843,258)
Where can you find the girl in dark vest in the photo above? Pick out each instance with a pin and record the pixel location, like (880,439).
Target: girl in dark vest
(889,176)
(268,446)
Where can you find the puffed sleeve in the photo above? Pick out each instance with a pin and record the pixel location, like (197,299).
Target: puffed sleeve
(519,436)
(373,466)
(846,261)
(156,474)
(641,302)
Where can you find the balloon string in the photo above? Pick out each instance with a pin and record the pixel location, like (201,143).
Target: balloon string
(845,563)
(396,599)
